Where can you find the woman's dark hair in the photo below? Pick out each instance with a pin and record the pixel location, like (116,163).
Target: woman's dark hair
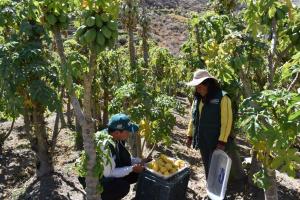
(212,88)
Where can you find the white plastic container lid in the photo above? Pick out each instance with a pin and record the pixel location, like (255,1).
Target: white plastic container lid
(218,175)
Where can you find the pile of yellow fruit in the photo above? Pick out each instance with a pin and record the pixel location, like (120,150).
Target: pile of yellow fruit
(166,166)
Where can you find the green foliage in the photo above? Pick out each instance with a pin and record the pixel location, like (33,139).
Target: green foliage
(224,6)
(140,102)
(291,68)
(7,17)
(56,13)
(27,76)
(162,63)
(103,142)
(272,128)
(106,6)
(261,179)
(259,14)
(81,164)
(206,32)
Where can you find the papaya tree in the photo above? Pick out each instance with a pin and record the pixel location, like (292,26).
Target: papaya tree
(129,17)
(144,22)
(275,18)
(97,31)
(111,75)
(28,80)
(129,12)
(150,109)
(7,25)
(272,129)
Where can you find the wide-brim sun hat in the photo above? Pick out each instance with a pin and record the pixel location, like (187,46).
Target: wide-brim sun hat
(199,76)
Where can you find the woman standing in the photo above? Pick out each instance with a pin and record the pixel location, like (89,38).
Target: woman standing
(211,116)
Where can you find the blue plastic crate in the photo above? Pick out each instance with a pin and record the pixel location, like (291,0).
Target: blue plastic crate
(153,187)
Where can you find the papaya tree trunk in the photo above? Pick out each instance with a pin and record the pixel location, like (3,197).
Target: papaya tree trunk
(271,193)
(132,143)
(132,50)
(78,136)
(27,121)
(145,42)
(93,112)
(271,60)
(198,46)
(28,128)
(139,145)
(255,165)
(88,130)
(237,171)
(85,119)
(44,159)
(60,111)
(105,107)
(69,112)
(97,112)
(133,137)
(145,50)
(55,134)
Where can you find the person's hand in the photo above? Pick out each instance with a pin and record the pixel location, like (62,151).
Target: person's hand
(221,145)
(138,168)
(189,142)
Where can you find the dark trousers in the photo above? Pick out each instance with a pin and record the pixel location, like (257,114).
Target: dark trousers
(206,154)
(237,171)
(115,188)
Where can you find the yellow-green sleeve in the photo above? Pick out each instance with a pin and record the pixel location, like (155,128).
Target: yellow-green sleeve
(190,127)
(226,118)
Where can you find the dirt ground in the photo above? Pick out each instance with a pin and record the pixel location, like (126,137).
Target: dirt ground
(17,180)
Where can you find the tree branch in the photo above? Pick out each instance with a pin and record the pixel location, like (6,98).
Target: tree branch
(293,83)
(10,130)
(151,151)
(271,64)
(6,135)
(69,81)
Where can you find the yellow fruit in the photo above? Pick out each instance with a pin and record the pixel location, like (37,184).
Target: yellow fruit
(168,166)
(180,163)
(160,162)
(155,166)
(145,129)
(84,3)
(166,173)
(173,170)
(165,158)
(163,169)
(150,165)
(143,122)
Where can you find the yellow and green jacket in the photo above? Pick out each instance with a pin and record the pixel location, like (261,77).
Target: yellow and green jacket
(214,119)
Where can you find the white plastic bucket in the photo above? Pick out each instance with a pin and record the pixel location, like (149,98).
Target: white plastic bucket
(218,175)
